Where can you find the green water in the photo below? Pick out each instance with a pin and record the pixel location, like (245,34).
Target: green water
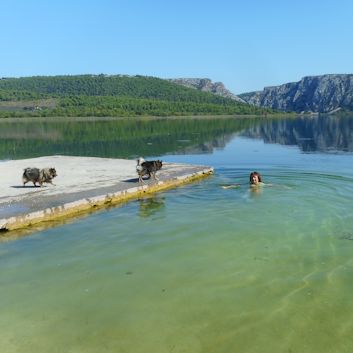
(198,268)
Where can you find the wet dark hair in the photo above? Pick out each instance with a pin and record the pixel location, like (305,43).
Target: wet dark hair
(253,174)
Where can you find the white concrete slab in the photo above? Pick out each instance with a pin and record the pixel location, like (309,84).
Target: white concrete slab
(74,174)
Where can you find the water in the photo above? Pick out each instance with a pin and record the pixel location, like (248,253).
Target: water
(200,268)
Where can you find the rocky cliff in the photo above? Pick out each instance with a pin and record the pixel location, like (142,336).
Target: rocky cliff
(206,85)
(319,94)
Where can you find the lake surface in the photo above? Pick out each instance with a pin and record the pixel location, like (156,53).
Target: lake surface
(198,268)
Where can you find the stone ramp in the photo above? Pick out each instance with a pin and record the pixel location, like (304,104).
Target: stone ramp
(82,184)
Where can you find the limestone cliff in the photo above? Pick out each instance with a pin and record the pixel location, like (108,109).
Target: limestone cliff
(319,94)
(206,85)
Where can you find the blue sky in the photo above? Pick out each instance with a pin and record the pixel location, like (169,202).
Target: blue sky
(245,44)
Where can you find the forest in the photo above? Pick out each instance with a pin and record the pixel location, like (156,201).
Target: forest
(111,95)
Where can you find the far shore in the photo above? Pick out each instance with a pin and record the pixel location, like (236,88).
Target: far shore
(102,118)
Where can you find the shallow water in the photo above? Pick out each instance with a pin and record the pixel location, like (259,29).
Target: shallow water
(198,268)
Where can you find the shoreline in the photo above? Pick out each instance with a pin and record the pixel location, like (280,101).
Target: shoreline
(147,117)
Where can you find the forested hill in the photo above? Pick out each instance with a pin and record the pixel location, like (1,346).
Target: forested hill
(103,95)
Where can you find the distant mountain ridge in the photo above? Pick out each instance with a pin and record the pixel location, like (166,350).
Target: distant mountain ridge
(206,85)
(317,94)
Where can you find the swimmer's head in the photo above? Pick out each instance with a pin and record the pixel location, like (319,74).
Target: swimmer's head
(255,178)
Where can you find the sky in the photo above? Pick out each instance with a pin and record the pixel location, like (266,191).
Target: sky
(247,45)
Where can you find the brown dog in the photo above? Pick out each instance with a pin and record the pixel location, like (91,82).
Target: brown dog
(35,175)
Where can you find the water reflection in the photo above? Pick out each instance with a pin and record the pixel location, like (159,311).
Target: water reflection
(150,206)
(116,138)
(128,138)
(314,134)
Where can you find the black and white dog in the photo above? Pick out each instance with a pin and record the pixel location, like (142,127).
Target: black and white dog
(148,168)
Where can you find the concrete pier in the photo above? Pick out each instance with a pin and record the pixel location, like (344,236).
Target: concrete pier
(82,184)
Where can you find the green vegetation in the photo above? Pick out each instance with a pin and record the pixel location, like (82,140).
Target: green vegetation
(101,95)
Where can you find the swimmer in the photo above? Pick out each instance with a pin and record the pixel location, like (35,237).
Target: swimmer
(255,180)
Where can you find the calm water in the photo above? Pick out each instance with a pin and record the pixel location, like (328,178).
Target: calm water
(198,268)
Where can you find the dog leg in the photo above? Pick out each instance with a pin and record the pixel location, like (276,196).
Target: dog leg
(154,176)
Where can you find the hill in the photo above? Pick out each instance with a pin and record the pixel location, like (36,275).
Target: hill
(206,85)
(117,95)
(318,94)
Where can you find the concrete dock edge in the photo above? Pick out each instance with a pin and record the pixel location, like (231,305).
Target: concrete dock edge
(82,206)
